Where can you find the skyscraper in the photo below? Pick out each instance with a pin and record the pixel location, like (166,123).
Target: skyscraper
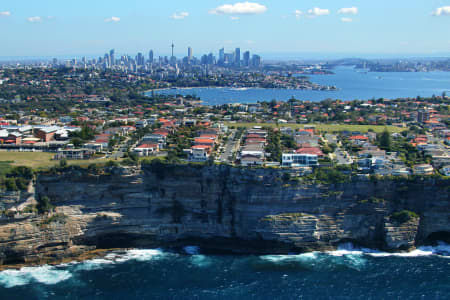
(150,56)
(237,57)
(189,53)
(221,55)
(112,57)
(107,61)
(173,59)
(256,61)
(423,116)
(247,58)
(140,59)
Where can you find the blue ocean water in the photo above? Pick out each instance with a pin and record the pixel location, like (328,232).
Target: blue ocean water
(347,273)
(352,85)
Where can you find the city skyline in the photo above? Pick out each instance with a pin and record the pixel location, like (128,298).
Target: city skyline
(321,27)
(140,61)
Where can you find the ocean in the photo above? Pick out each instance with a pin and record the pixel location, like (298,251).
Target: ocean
(351,83)
(347,273)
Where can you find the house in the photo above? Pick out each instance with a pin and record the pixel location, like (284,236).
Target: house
(358,139)
(423,169)
(102,139)
(141,124)
(146,149)
(400,172)
(199,153)
(204,141)
(155,138)
(287,130)
(94,146)
(299,160)
(256,150)
(305,149)
(46,134)
(445,170)
(251,160)
(13,138)
(65,119)
(375,152)
(73,154)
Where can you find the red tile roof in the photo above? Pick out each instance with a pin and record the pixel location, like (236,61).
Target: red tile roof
(143,146)
(359,137)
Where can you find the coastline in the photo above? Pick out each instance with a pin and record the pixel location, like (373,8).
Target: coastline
(237,89)
(440,249)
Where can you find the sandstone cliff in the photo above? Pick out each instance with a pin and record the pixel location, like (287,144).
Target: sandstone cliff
(223,209)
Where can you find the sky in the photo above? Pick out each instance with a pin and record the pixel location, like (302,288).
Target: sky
(272,28)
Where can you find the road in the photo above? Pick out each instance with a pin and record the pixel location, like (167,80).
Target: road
(341,160)
(230,147)
(121,149)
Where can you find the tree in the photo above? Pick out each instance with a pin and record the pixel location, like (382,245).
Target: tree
(63,163)
(44,205)
(77,142)
(385,140)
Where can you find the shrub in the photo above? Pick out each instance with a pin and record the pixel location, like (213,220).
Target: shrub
(404,216)
(63,163)
(10,184)
(57,218)
(44,205)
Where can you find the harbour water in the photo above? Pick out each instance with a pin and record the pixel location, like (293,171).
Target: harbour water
(352,84)
(348,273)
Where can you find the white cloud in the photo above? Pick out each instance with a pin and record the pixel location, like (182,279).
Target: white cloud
(315,12)
(240,8)
(34,19)
(348,10)
(112,19)
(179,16)
(5,13)
(298,13)
(234,18)
(442,11)
(346,20)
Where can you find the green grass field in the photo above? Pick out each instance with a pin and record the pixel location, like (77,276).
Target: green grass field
(324,127)
(38,160)
(33,160)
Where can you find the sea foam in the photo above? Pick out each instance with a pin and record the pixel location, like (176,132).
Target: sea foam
(44,274)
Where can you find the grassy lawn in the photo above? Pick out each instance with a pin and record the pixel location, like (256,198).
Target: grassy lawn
(38,160)
(33,160)
(5,166)
(324,127)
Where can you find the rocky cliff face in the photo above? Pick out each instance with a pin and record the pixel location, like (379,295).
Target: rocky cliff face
(220,208)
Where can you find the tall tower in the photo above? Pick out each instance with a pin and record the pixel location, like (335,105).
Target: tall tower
(150,56)
(173,59)
(237,56)
(190,53)
(112,57)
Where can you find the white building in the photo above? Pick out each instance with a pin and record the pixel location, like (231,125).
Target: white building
(299,160)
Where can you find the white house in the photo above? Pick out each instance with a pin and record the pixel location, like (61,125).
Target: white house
(299,160)
(446,170)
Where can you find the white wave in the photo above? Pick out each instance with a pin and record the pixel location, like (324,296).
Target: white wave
(191,250)
(93,264)
(114,258)
(441,249)
(350,249)
(201,261)
(44,274)
(291,257)
(134,254)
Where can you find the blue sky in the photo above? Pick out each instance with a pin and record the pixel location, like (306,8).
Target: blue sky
(283,27)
